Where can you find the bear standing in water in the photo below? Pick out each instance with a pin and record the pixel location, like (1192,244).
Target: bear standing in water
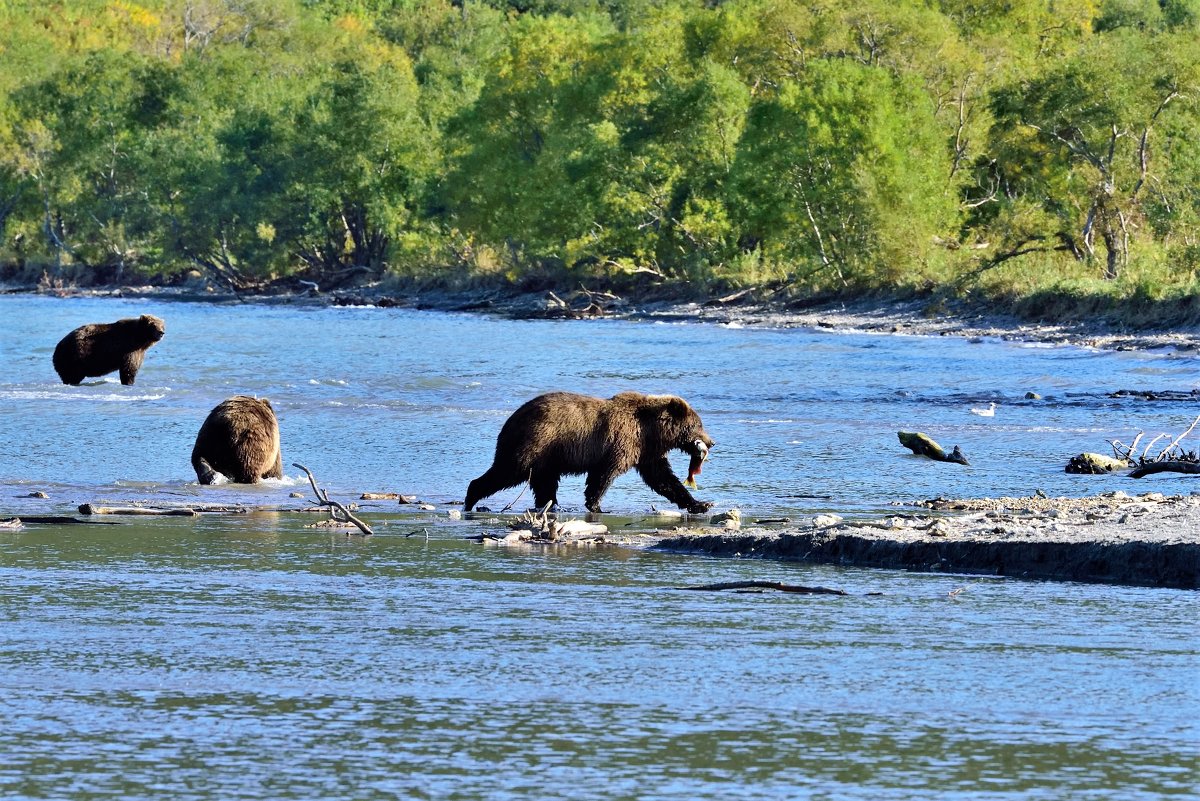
(562,433)
(97,349)
(239,440)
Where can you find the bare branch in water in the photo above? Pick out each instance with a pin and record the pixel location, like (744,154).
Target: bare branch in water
(766,585)
(334,506)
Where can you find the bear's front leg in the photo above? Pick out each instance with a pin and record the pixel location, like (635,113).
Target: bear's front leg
(130,366)
(659,477)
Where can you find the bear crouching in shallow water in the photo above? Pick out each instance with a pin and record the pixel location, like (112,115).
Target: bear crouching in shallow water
(239,440)
(98,349)
(562,433)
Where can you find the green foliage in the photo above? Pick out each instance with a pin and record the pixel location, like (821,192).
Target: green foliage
(1016,148)
(845,176)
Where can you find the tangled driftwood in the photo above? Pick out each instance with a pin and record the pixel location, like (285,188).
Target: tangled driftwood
(1171,459)
(538,526)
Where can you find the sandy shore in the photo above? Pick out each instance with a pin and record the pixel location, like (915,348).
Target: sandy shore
(1147,540)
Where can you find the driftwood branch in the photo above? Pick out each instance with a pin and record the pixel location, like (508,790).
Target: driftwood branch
(1178,439)
(766,585)
(334,506)
(921,445)
(1150,444)
(1121,452)
(1170,466)
(519,494)
(1171,459)
(92,509)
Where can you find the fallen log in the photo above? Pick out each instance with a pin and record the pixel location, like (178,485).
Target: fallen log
(766,585)
(1170,466)
(387,496)
(923,445)
(92,509)
(1095,464)
(60,520)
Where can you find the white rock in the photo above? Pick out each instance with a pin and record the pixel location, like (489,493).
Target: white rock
(725,518)
(821,521)
(668,513)
(578,528)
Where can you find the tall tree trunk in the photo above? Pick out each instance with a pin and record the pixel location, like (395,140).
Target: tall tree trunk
(1112,251)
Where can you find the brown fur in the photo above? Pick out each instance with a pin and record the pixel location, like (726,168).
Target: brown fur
(562,433)
(239,440)
(98,349)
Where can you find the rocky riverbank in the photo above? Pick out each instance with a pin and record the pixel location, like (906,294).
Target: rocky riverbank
(1148,540)
(746,308)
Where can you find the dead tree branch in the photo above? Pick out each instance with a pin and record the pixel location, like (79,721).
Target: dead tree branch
(766,585)
(334,506)
(1150,445)
(1178,439)
(1169,466)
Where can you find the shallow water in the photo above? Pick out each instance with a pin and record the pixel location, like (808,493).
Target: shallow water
(252,657)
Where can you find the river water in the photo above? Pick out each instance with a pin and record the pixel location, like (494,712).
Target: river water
(249,656)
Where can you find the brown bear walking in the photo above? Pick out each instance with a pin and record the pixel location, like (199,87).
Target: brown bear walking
(239,440)
(562,433)
(97,349)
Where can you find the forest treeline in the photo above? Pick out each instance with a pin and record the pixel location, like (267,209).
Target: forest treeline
(1017,149)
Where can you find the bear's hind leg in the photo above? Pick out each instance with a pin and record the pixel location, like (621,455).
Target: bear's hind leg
(204,471)
(275,470)
(599,479)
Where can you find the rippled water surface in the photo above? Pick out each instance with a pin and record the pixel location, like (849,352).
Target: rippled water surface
(248,656)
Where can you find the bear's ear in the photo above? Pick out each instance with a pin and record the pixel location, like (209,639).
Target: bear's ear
(677,407)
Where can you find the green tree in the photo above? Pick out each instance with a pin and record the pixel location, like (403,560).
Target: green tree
(1082,142)
(846,175)
(358,173)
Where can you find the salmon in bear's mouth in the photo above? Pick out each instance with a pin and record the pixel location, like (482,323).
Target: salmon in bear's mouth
(699,455)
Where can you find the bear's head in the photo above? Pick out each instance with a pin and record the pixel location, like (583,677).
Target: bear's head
(152,327)
(678,427)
